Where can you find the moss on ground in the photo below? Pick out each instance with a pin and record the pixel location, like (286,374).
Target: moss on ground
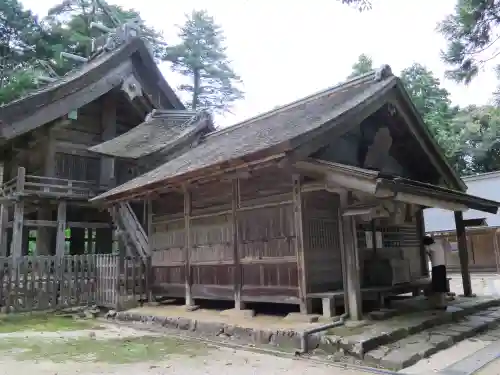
(43,323)
(117,351)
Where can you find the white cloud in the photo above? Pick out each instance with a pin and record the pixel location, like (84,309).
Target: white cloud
(284,50)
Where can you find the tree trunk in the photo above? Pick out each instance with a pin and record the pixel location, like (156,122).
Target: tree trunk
(196,88)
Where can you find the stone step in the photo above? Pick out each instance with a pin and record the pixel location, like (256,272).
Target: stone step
(392,330)
(409,350)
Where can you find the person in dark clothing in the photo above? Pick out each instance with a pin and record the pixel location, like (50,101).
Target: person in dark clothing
(437,256)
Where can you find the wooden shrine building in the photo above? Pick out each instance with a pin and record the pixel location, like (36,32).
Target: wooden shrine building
(321,195)
(51,142)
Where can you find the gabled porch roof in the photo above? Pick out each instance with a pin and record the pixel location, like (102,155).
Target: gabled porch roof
(397,188)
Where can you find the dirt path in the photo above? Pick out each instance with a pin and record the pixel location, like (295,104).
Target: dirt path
(114,350)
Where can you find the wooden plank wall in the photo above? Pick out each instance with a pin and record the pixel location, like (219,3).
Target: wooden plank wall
(481,250)
(323,265)
(266,261)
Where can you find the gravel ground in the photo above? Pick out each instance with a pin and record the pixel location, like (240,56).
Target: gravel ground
(205,360)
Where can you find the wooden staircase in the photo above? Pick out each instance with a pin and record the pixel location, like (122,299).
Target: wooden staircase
(130,230)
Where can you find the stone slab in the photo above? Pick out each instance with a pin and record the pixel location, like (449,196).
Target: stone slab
(242,313)
(301,318)
(474,362)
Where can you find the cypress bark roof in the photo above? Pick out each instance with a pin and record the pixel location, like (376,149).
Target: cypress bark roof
(76,89)
(162,130)
(273,131)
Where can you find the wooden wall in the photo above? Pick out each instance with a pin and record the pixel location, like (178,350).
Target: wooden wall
(323,266)
(265,268)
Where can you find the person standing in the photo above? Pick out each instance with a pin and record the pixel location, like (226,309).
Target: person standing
(437,255)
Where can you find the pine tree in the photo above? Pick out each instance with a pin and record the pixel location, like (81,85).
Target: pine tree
(201,57)
(362,66)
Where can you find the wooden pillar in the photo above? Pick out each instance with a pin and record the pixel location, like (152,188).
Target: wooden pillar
(108,128)
(351,253)
(44,234)
(4,233)
(18,221)
(4,217)
(424,264)
(235,204)
(187,246)
(305,307)
(61,228)
(463,253)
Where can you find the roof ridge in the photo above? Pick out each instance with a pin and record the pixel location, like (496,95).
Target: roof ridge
(378,74)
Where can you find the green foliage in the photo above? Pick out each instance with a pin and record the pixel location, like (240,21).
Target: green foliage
(471,32)
(201,56)
(362,66)
(70,21)
(24,40)
(361,5)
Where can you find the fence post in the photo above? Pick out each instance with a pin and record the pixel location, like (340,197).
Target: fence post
(148,278)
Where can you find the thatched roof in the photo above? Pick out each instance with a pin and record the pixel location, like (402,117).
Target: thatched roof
(79,87)
(271,131)
(162,130)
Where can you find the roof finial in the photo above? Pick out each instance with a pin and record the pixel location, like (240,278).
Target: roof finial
(383,72)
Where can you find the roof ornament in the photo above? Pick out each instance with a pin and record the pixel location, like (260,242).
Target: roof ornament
(382,73)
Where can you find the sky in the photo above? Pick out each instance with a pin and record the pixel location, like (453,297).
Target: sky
(284,50)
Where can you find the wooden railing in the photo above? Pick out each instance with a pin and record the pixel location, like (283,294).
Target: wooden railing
(24,184)
(130,227)
(50,282)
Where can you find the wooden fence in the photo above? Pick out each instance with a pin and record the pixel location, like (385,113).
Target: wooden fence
(50,283)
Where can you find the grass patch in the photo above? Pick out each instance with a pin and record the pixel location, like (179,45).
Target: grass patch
(43,323)
(117,351)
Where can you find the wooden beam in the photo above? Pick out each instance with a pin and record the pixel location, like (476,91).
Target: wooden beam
(61,227)
(21,179)
(463,253)
(235,205)
(4,217)
(424,264)
(108,128)
(299,244)
(187,246)
(351,253)
(44,233)
(16,247)
(69,224)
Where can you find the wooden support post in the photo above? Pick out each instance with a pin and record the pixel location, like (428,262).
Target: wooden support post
(351,253)
(16,246)
(21,179)
(61,228)
(108,125)
(424,264)
(4,233)
(305,306)
(187,246)
(463,253)
(235,205)
(16,249)
(4,217)
(44,234)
